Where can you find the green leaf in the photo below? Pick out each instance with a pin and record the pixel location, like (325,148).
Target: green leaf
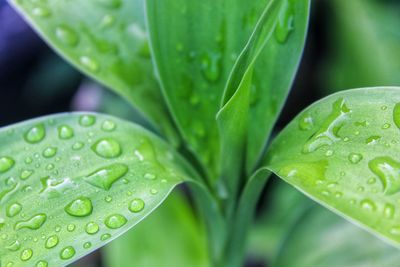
(170,237)
(70,183)
(195,44)
(323,239)
(108,42)
(343,152)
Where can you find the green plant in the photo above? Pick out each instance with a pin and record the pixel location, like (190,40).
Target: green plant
(70,183)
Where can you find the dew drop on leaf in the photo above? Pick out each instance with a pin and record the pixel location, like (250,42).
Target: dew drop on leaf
(25,174)
(80,207)
(104,177)
(13,209)
(51,241)
(26,254)
(67,253)
(396,115)
(41,12)
(110,3)
(71,227)
(306,122)
(285,24)
(14,246)
(87,120)
(92,228)
(41,264)
(67,36)
(87,245)
(65,132)
(389,211)
(104,237)
(34,223)
(6,163)
(211,66)
(368,205)
(115,221)
(388,171)
(107,148)
(108,126)
(89,63)
(355,158)
(49,152)
(136,205)
(35,134)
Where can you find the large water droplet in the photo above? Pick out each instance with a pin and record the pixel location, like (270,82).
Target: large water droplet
(329,131)
(285,24)
(14,246)
(26,254)
(67,253)
(89,63)
(34,223)
(51,242)
(65,132)
(388,170)
(6,163)
(107,148)
(35,134)
(115,221)
(67,35)
(306,173)
(13,209)
(80,207)
(104,178)
(49,152)
(368,205)
(92,228)
(108,126)
(136,205)
(87,120)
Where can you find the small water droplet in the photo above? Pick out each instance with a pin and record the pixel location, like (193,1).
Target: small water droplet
(49,152)
(329,153)
(104,237)
(80,207)
(26,254)
(13,209)
(211,66)
(108,126)
(14,246)
(107,148)
(389,211)
(6,163)
(41,264)
(150,176)
(306,122)
(104,178)
(51,242)
(67,35)
(386,126)
(395,230)
(285,24)
(87,120)
(25,174)
(87,245)
(355,158)
(115,221)
(77,146)
(107,21)
(388,170)
(67,253)
(92,228)
(34,223)
(41,12)
(372,139)
(396,115)
(368,205)
(110,3)
(136,205)
(89,63)
(65,132)
(35,134)
(71,227)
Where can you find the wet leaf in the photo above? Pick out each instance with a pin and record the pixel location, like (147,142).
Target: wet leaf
(70,183)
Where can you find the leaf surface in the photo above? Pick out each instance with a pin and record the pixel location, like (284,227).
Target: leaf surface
(107,40)
(70,183)
(343,152)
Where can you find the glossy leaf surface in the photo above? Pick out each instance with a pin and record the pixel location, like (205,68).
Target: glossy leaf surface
(107,41)
(70,183)
(169,237)
(322,239)
(343,152)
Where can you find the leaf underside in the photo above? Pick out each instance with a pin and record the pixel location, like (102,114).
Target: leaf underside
(70,183)
(343,152)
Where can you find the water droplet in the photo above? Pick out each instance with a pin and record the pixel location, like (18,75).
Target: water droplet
(329,131)
(41,264)
(368,205)
(87,245)
(34,223)
(25,174)
(92,228)
(115,221)
(396,115)
(329,153)
(26,254)
(35,134)
(110,3)
(153,191)
(71,227)
(107,148)
(136,205)
(108,126)
(89,63)
(65,132)
(107,21)
(306,122)
(87,120)
(108,199)
(388,170)
(80,207)
(389,211)
(285,24)
(211,66)
(105,237)
(67,35)
(41,12)
(106,176)
(13,209)
(386,126)
(355,158)
(305,172)
(6,163)
(67,253)
(49,152)
(150,176)
(14,246)
(372,139)
(51,242)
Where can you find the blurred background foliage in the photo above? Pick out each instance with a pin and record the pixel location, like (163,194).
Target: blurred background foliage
(350,44)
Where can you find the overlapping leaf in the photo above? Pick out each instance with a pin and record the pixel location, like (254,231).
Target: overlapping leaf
(70,183)
(343,152)
(107,40)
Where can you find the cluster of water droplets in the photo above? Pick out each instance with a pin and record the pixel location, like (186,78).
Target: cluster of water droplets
(101,179)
